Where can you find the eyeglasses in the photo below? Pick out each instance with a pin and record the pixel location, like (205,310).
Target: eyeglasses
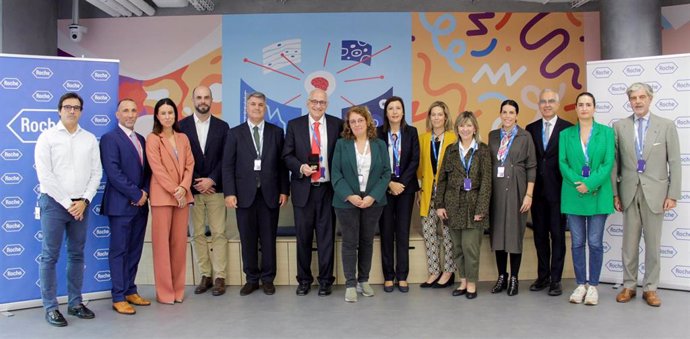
(357,121)
(70,107)
(318,102)
(550,101)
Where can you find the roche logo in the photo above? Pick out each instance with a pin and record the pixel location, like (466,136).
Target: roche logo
(12,202)
(681,271)
(682,85)
(666,68)
(102,276)
(101,232)
(604,107)
(38,236)
(682,122)
(38,259)
(615,230)
(42,96)
(101,254)
(656,87)
(11,154)
(612,121)
(12,226)
(618,88)
(97,209)
(100,120)
(667,251)
(666,104)
(685,159)
(633,70)
(103,97)
(681,234)
(13,273)
(101,187)
(684,197)
(42,73)
(602,72)
(670,215)
(72,85)
(614,265)
(606,247)
(641,268)
(11,178)
(10,83)
(100,75)
(28,124)
(37,189)
(627,106)
(12,250)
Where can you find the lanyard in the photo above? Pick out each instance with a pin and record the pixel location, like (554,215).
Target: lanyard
(513,132)
(395,145)
(585,146)
(436,150)
(467,164)
(639,139)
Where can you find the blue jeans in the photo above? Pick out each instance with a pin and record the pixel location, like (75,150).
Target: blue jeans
(55,222)
(590,230)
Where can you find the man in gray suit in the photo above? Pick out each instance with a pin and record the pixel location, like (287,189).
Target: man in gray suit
(647,171)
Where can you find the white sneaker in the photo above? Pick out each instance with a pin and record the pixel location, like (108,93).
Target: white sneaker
(351,294)
(578,294)
(365,289)
(592,297)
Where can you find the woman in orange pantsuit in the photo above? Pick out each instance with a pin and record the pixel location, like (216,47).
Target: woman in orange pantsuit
(170,156)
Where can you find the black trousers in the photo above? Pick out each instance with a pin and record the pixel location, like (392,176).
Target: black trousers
(549,238)
(394,228)
(258,225)
(317,216)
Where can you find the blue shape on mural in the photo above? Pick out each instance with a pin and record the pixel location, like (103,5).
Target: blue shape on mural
(355,50)
(276,113)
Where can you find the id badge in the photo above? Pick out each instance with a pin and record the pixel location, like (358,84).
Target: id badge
(257,164)
(37,213)
(585,171)
(467,184)
(641,165)
(500,173)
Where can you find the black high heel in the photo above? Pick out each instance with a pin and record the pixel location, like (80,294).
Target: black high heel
(501,284)
(513,286)
(450,282)
(431,284)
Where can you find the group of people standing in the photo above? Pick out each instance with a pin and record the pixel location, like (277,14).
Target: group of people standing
(369,178)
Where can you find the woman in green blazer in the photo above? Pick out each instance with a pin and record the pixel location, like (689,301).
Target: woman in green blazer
(360,174)
(586,156)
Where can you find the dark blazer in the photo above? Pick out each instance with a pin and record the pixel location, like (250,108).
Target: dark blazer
(126,175)
(344,173)
(207,164)
(409,160)
(549,179)
(298,147)
(239,177)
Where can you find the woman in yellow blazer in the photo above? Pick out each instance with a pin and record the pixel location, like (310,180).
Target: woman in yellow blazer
(432,147)
(585,156)
(172,163)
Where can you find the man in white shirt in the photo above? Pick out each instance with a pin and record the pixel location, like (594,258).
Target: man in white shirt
(69,171)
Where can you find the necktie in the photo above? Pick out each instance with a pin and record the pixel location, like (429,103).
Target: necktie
(503,148)
(547,131)
(316,149)
(135,141)
(257,141)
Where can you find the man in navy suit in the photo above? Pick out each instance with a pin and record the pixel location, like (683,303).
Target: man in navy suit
(547,223)
(255,182)
(207,135)
(308,152)
(125,203)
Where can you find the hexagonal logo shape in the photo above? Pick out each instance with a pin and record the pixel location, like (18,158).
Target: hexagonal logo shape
(11,178)
(100,120)
(615,230)
(13,250)
(666,67)
(670,215)
(101,254)
(682,85)
(42,96)
(12,202)
(602,72)
(604,107)
(37,189)
(612,121)
(681,271)
(614,265)
(682,234)
(28,124)
(640,268)
(38,236)
(667,251)
(102,276)
(666,104)
(606,247)
(37,259)
(14,273)
(101,232)
(685,159)
(96,209)
(633,70)
(627,107)
(682,122)
(618,88)
(656,87)
(100,75)
(42,73)
(100,97)
(72,85)
(10,83)
(684,197)
(101,187)
(11,154)
(11,226)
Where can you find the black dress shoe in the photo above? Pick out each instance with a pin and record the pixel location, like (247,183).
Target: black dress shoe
(81,312)
(303,289)
(403,289)
(204,285)
(471,295)
(513,286)
(269,288)
(431,284)
(458,292)
(448,283)
(325,290)
(501,284)
(555,289)
(56,319)
(248,288)
(540,284)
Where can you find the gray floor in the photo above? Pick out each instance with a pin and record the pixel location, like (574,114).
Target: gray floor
(422,313)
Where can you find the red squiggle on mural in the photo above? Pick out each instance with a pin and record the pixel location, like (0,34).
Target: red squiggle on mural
(503,21)
(418,116)
(574,20)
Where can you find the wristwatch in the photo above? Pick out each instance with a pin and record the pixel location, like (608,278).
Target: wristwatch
(86,201)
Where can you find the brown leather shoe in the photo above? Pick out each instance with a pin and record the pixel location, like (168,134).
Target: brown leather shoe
(625,295)
(138,300)
(124,307)
(652,298)
(204,285)
(218,287)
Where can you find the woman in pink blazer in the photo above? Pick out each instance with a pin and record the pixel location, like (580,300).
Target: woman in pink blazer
(170,156)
